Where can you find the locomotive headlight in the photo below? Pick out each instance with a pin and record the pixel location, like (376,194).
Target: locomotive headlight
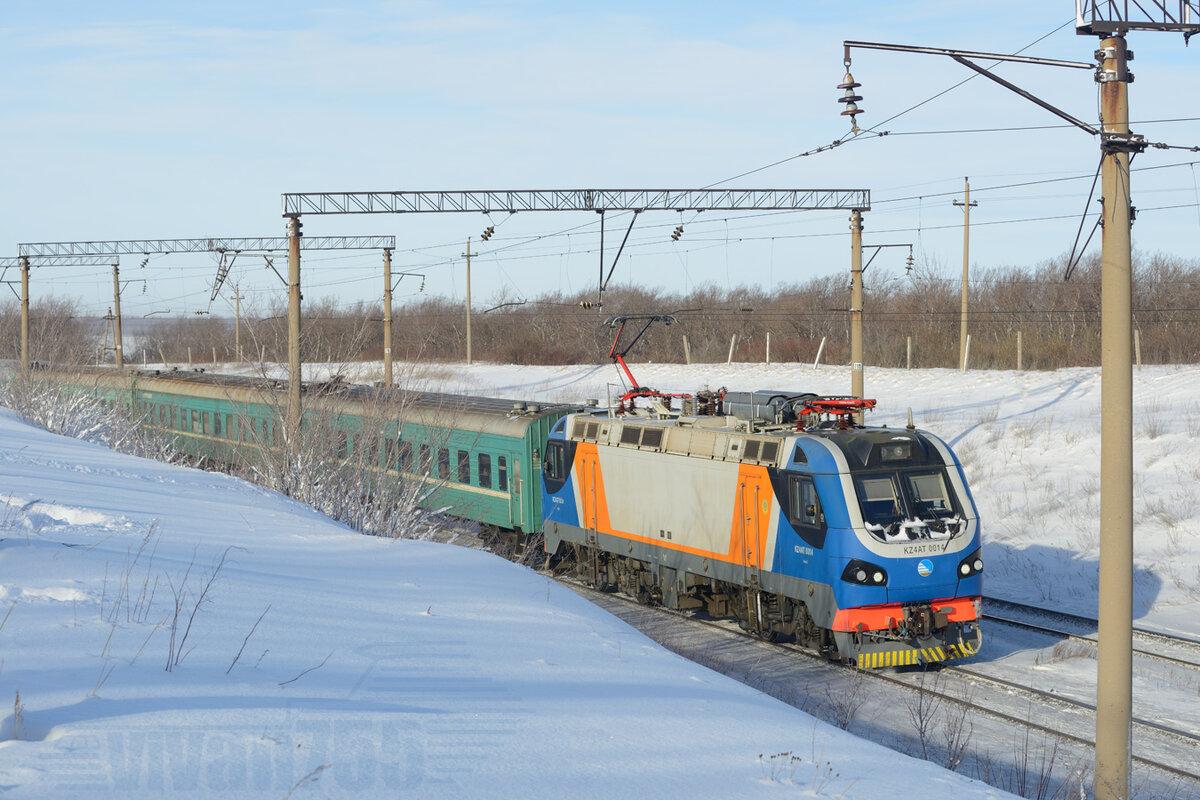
(971,565)
(864,574)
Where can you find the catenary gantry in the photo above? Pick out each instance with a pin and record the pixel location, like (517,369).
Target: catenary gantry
(104,252)
(600,201)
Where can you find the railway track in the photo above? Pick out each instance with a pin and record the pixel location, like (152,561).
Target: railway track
(909,681)
(1075,627)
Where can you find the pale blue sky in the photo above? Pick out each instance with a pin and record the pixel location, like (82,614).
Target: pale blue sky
(139,119)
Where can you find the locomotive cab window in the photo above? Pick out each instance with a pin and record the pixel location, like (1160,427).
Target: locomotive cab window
(879,500)
(929,496)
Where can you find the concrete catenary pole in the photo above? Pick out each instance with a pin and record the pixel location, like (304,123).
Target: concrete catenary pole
(468,300)
(25,315)
(387,317)
(118,355)
(237,323)
(856,308)
(294,296)
(1114,666)
(966,273)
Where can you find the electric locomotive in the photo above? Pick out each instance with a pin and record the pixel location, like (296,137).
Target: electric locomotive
(777,509)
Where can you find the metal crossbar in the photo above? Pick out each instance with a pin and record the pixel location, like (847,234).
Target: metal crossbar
(261,244)
(512,201)
(13,262)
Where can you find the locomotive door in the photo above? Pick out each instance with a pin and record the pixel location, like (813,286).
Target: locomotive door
(749,501)
(589,467)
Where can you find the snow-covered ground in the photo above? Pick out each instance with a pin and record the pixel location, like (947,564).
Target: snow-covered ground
(173,632)
(1030,442)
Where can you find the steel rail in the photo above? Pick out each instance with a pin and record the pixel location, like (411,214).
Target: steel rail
(730,629)
(1078,619)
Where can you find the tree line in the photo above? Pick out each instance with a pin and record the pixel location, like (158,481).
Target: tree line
(1059,322)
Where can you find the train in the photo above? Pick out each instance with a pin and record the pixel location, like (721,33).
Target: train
(777,509)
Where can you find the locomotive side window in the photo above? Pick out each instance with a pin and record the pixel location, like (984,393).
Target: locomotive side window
(554,465)
(929,495)
(879,500)
(806,505)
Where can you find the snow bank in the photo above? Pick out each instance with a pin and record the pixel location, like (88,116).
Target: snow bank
(321,663)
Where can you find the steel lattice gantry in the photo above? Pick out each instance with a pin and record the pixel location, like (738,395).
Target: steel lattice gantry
(23,263)
(600,201)
(236,244)
(104,252)
(486,201)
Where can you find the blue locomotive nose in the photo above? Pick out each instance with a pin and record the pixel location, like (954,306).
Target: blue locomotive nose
(914,579)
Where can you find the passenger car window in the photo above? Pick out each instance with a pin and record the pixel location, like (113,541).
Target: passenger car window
(444,463)
(464,466)
(485,470)
(502,473)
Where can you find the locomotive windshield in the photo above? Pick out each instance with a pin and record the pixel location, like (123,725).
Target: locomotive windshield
(909,504)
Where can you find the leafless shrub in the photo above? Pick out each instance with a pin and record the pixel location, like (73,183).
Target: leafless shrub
(351,475)
(246,640)
(59,333)
(1152,424)
(956,730)
(73,405)
(1037,771)
(844,702)
(922,706)
(18,718)
(184,597)
(786,768)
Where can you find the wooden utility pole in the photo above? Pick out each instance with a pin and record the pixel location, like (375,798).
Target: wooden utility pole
(237,323)
(856,309)
(118,357)
(966,204)
(1114,665)
(1020,354)
(387,317)
(468,254)
(294,363)
(24,315)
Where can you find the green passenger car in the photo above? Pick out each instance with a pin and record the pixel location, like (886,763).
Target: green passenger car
(481,457)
